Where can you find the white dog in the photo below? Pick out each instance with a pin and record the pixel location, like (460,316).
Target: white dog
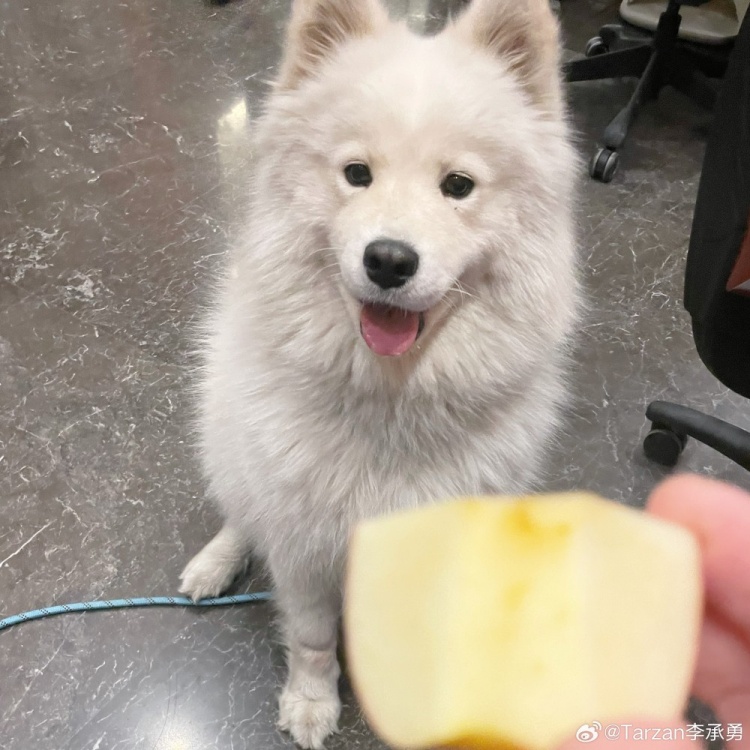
(395,326)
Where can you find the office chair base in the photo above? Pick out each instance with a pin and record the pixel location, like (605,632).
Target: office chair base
(672,424)
(665,60)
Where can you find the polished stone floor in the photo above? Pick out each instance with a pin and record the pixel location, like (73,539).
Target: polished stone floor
(123,156)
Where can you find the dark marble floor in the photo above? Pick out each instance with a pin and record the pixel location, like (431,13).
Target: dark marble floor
(122,158)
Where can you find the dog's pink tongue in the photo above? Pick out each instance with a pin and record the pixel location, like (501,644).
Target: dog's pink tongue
(388,331)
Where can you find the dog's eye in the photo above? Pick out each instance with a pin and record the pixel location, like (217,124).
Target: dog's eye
(358,174)
(457,185)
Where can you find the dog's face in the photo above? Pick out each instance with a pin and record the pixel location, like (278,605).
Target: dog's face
(413,150)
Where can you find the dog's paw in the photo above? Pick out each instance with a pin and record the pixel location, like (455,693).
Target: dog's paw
(208,574)
(309,720)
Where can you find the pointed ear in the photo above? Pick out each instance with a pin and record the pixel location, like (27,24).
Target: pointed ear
(318,27)
(525,34)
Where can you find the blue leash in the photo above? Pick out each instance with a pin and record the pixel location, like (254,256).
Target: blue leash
(146,601)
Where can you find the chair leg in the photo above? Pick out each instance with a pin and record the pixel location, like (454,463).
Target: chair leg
(710,61)
(618,37)
(691,82)
(647,88)
(672,423)
(629,62)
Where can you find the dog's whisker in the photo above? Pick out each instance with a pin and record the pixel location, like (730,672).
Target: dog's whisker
(459,287)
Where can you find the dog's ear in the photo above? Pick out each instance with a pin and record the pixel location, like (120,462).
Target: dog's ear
(525,34)
(318,27)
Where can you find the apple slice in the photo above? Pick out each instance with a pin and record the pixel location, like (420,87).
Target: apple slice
(498,623)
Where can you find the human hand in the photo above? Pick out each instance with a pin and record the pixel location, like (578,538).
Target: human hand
(719,516)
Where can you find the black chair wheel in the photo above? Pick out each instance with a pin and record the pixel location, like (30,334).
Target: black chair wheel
(595,46)
(603,165)
(663,446)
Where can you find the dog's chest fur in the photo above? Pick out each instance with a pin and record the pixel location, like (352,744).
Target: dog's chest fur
(316,451)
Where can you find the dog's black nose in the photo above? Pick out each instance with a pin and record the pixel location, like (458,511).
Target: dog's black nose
(390,263)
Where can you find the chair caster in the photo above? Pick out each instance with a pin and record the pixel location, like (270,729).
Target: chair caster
(603,165)
(595,46)
(664,446)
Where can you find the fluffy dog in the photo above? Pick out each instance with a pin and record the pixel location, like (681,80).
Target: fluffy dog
(394,326)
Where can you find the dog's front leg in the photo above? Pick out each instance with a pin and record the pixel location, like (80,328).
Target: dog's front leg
(309,705)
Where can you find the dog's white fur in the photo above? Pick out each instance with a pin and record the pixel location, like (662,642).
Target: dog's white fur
(304,430)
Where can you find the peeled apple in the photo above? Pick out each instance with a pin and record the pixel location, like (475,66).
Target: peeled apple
(498,623)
